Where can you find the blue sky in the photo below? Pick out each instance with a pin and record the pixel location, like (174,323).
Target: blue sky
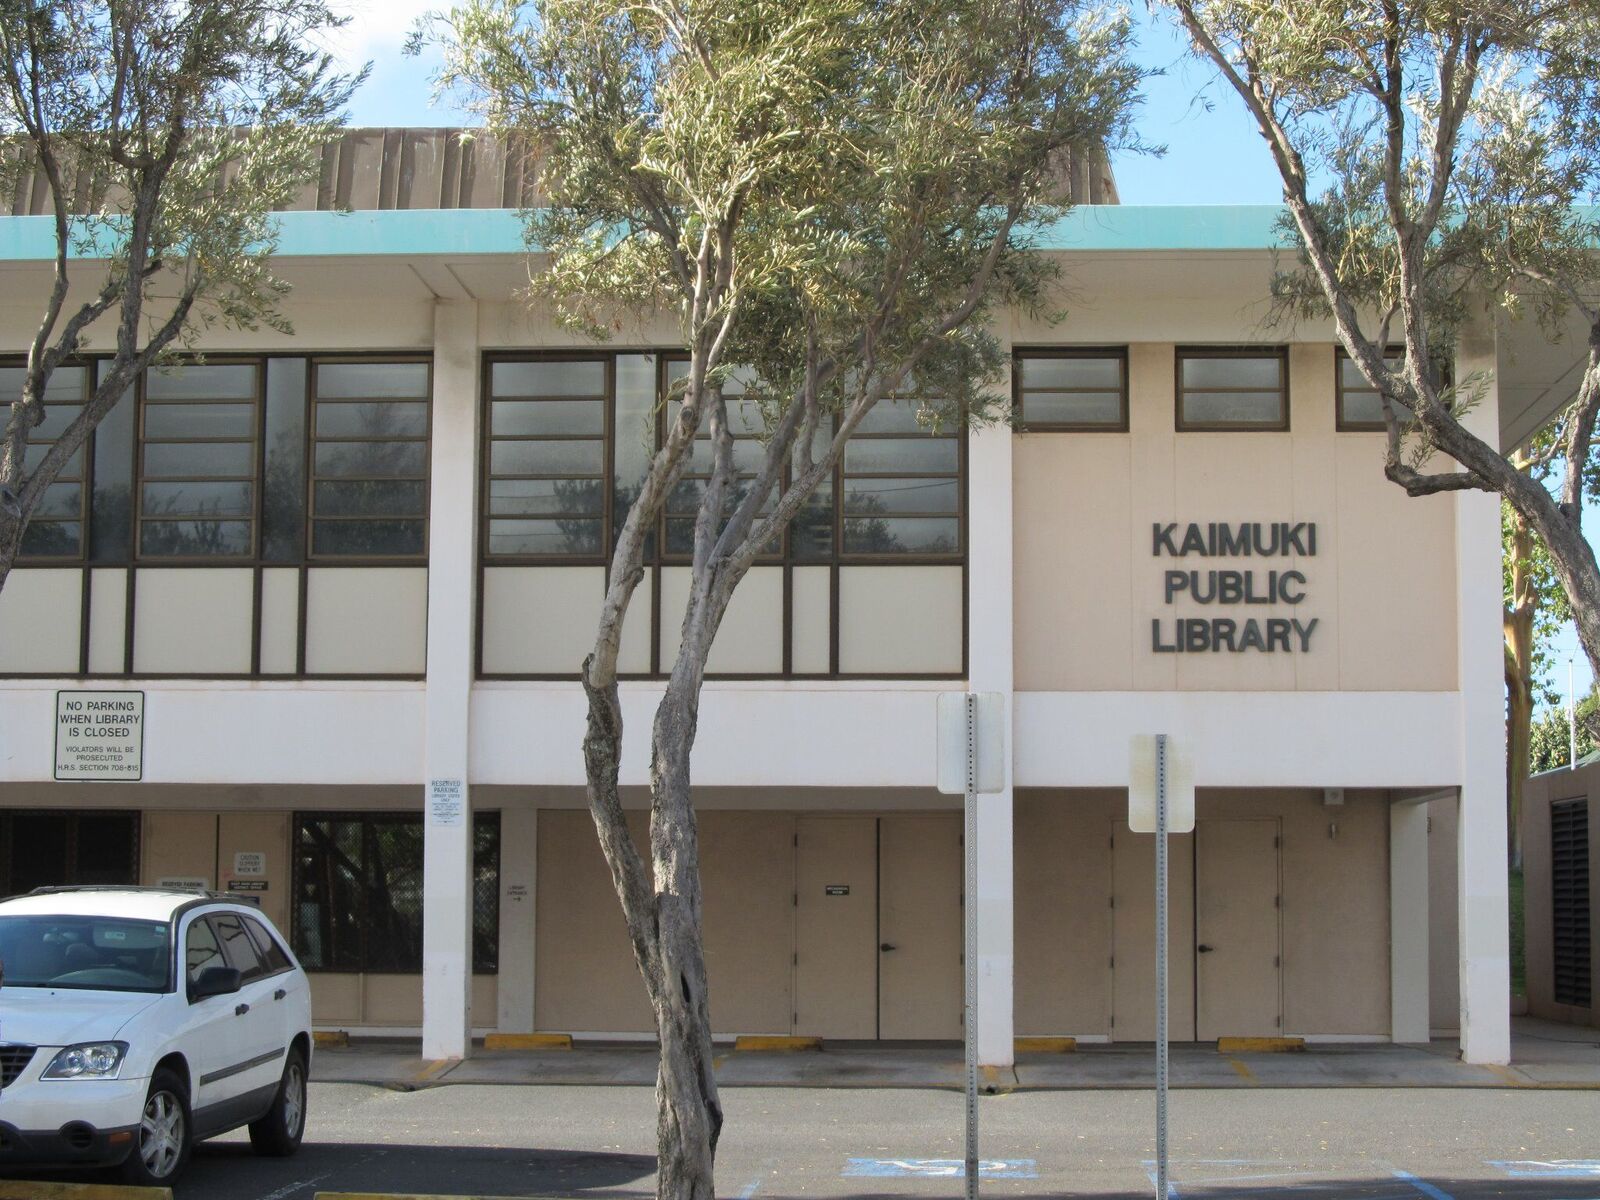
(1213,153)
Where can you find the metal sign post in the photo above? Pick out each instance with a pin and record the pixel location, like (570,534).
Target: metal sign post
(1161,966)
(969,913)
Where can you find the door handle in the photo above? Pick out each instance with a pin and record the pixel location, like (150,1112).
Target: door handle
(1203,949)
(279,994)
(239,1010)
(886,947)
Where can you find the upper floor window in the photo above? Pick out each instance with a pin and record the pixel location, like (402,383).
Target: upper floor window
(1072,389)
(569,441)
(369,461)
(199,436)
(1233,388)
(1360,406)
(56,529)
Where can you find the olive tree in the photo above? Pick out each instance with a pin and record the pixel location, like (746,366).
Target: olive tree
(830,197)
(1432,153)
(165,132)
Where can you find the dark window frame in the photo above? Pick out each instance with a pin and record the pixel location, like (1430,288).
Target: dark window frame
(1341,424)
(1019,393)
(369,820)
(1184,353)
(656,560)
(84,478)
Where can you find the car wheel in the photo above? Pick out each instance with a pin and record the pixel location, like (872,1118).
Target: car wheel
(163,1137)
(278,1133)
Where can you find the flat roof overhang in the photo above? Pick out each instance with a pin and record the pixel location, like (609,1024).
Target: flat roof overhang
(1160,252)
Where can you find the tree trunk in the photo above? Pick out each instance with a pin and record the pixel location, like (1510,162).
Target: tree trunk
(688,1109)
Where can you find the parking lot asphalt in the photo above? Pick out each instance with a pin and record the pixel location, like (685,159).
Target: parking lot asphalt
(579,1141)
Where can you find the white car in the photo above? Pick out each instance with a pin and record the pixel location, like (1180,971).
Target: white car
(136,1021)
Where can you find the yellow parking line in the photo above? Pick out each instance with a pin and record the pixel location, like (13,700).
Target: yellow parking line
(23,1189)
(436,1067)
(1243,1070)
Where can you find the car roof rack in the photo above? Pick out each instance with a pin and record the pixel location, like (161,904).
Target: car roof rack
(181,889)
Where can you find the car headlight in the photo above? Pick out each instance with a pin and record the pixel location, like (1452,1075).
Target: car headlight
(88,1060)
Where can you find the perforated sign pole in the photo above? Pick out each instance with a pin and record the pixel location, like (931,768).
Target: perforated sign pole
(969,908)
(1161,966)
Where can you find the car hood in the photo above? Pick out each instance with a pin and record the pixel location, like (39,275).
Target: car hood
(63,1016)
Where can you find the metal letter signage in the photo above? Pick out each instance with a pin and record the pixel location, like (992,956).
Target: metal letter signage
(1237,588)
(100,735)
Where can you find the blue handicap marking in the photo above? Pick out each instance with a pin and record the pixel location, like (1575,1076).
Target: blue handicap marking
(1554,1168)
(938,1168)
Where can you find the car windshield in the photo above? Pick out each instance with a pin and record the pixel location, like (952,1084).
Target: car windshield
(94,953)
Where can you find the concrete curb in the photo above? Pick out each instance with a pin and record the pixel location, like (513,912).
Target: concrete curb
(23,1189)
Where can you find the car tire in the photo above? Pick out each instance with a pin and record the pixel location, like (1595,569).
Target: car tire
(164,1136)
(278,1133)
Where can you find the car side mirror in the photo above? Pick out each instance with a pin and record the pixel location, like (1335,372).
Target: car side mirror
(214,981)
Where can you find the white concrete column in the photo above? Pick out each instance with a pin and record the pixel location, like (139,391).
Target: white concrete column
(989,668)
(447,813)
(1481,842)
(1408,922)
(519,864)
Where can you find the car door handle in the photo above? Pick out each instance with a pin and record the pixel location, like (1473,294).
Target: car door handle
(239,1010)
(279,994)
(1205,949)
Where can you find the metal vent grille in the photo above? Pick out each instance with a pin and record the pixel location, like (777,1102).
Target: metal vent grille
(13,1061)
(1569,886)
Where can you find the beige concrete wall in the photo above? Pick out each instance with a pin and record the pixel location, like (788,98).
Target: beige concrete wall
(1088,586)
(1540,793)
(1444,964)
(1335,911)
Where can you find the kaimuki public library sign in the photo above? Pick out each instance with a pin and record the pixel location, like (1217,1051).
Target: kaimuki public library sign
(1236,588)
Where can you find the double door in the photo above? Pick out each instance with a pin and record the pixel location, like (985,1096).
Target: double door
(878,937)
(1224,932)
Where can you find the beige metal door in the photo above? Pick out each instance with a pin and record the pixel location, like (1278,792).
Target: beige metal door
(1238,930)
(1133,935)
(919,926)
(836,925)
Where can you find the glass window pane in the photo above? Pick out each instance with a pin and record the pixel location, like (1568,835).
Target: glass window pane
(111,524)
(1366,408)
(635,431)
(200,950)
(375,539)
(52,539)
(182,459)
(374,459)
(371,497)
(1072,408)
(887,455)
(283,499)
(547,458)
(891,416)
(56,419)
(34,455)
(198,499)
(537,497)
(372,379)
(61,500)
(540,417)
(199,420)
(554,536)
(1233,408)
(865,497)
(586,378)
(902,535)
(1230,372)
(236,381)
(237,946)
(383,419)
(65,383)
(1090,374)
(194,539)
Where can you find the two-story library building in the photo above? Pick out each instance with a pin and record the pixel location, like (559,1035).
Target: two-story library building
(334,588)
